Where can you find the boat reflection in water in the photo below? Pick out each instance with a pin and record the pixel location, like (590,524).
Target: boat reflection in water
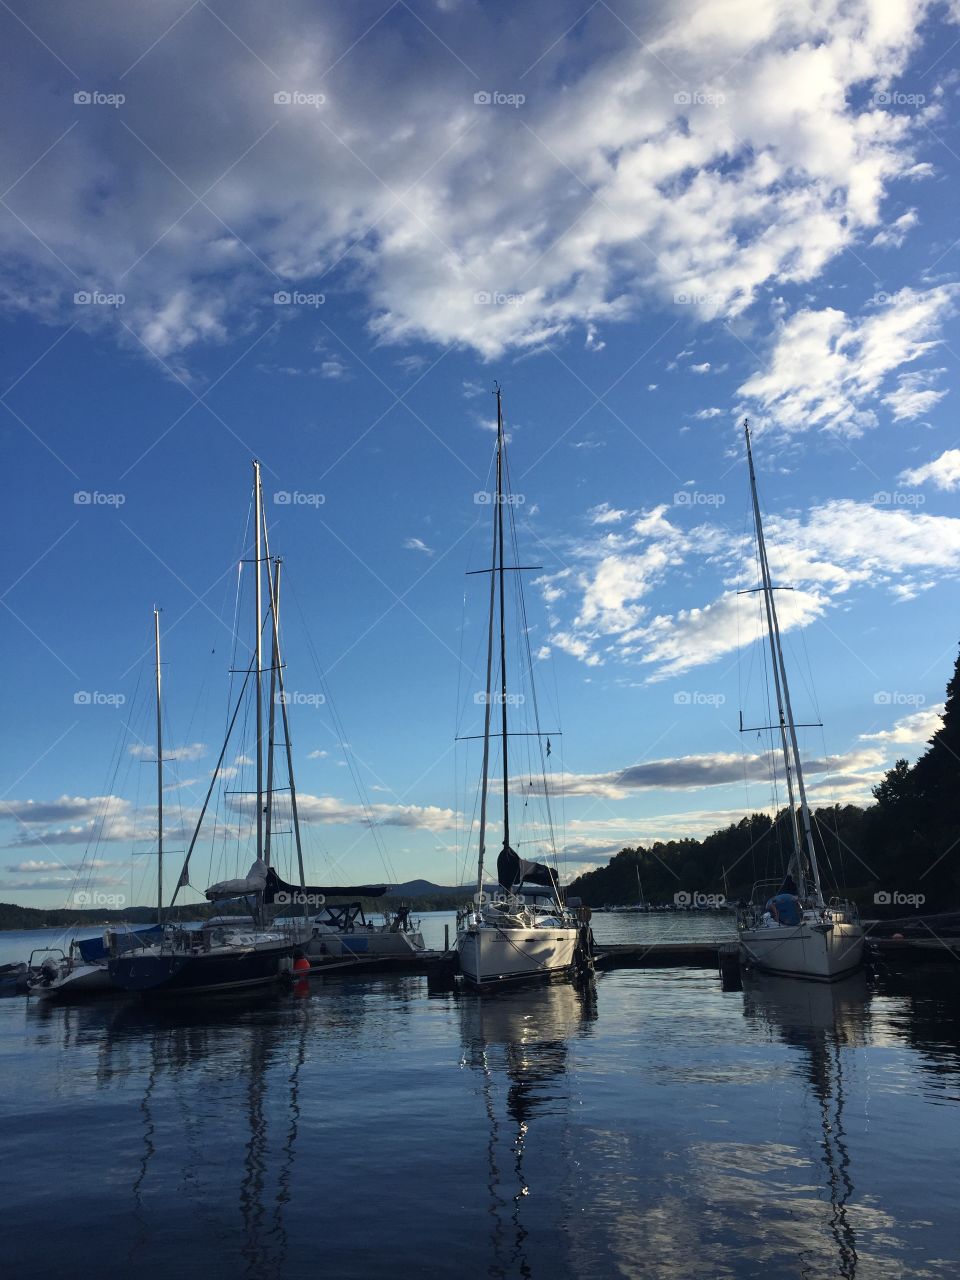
(823,1023)
(518,1044)
(243,1138)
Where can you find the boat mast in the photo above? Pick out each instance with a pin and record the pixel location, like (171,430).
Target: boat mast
(787,724)
(258,506)
(503,634)
(156,634)
(272,719)
(485,772)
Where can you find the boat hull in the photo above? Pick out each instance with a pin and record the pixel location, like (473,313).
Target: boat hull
(360,943)
(82,982)
(491,955)
(817,952)
(180,973)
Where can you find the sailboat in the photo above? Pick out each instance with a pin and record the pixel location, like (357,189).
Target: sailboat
(827,941)
(505,935)
(230,952)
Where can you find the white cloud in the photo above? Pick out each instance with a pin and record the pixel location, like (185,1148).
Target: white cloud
(827,370)
(893,235)
(605,514)
(332,811)
(700,368)
(318,755)
(705,414)
(416,544)
(919,726)
(942,472)
(616,192)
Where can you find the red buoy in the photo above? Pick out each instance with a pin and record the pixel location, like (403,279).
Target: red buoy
(301,965)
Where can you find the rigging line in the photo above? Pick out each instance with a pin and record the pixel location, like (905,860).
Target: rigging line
(532,683)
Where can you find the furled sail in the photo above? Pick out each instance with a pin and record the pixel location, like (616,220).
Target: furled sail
(512,870)
(253,882)
(291,893)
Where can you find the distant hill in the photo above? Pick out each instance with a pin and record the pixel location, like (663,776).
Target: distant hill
(427,889)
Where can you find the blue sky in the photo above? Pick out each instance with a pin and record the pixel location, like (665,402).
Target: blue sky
(646,221)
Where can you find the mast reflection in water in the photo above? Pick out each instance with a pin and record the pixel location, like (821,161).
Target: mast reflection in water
(518,1043)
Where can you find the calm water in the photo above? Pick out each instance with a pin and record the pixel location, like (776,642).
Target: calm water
(647,1125)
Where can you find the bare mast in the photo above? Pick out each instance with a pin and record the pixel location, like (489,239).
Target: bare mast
(503,634)
(156,634)
(258,516)
(485,772)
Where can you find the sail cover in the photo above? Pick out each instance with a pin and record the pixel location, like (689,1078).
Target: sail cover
(253,882)
(512,870)
(291,892)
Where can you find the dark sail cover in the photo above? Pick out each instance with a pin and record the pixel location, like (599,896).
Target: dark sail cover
(291,892)
(512,870)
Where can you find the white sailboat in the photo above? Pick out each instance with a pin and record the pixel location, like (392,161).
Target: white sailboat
(825,942)
(510,934)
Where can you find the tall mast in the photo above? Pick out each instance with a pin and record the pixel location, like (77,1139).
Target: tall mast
(258,513)
(272,717)
(503,635)
(485,774)
(156,634)
(787,723)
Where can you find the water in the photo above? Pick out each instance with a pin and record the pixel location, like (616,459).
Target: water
(649,1125)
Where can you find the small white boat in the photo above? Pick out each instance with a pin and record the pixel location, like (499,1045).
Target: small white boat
(342,930)
(66,976)
(807,938)
(496,944)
